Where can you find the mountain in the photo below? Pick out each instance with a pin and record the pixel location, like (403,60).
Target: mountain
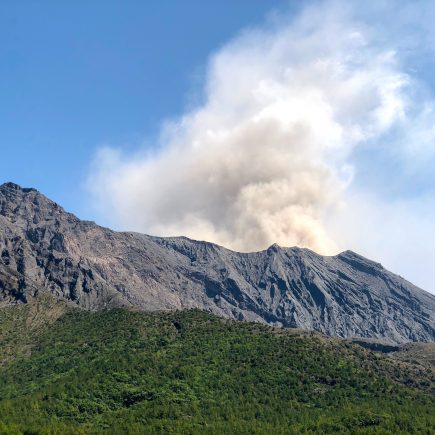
(45,249)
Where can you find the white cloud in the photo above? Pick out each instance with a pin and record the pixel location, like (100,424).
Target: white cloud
(268,156)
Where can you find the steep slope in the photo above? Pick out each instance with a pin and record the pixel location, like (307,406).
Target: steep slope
(42,247)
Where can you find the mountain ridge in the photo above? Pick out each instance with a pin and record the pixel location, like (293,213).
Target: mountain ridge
(94,267)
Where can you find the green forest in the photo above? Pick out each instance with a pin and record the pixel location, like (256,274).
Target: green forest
(117,371)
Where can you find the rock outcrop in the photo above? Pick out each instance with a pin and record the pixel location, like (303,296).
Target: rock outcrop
(45,249)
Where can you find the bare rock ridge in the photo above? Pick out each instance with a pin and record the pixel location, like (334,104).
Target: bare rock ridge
(45,249)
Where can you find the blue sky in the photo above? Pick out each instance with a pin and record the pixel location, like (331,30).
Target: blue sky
(245,123)
(78,74)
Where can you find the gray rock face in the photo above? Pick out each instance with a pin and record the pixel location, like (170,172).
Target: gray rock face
(44,248)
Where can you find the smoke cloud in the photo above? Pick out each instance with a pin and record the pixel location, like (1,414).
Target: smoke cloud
(264,158)
(268,156)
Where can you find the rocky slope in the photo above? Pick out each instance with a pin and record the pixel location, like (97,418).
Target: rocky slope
(43,248)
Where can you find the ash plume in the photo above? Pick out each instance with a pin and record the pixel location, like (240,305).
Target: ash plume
(265,158)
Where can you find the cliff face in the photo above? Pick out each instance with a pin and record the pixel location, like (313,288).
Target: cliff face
(43,248)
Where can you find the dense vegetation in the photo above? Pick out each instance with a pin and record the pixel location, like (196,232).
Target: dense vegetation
(188,372)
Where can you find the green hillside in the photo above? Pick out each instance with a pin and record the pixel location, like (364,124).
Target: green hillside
(71,371)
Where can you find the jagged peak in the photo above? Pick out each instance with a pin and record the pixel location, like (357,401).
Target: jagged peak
(10,186)
(26,201)
(348,253)
(14,193)
(350,256)
(273,248)
(276,246)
